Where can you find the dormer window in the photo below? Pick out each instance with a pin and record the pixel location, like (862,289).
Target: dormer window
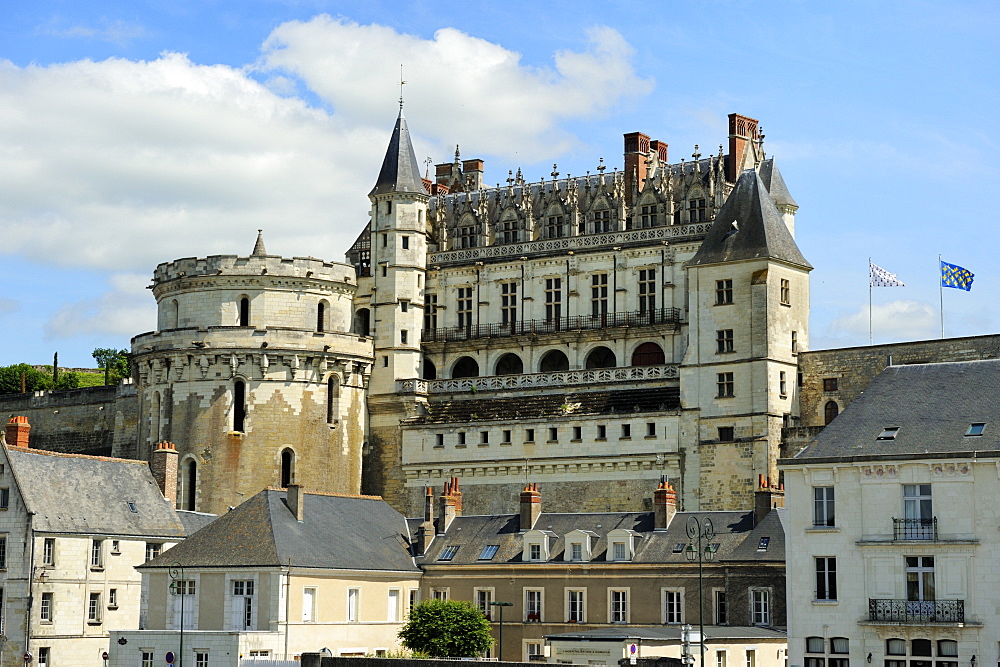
(889,433)
(576,551)
(975,429)
(536,545)
(579,544)
(621,545)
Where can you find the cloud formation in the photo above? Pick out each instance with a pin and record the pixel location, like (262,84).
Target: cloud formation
(893,321)
(123,311)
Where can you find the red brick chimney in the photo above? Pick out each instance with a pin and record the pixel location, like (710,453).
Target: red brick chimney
(18,429)
(531,507)
(742,134)
(447,513)
(296,499)
(636,151)
(664,505)
(765,498)
(426,532)
(163,465)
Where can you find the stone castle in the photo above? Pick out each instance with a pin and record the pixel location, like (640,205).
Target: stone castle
(592,334)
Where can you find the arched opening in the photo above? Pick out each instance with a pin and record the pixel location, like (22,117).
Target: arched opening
(430,370)
(244,312)
(363,322)
(553,362)
(601,357)
(466,367)
(830,411)
(321,316)
(239,405)
(190,481)
(648,354)
(332,399)
(509,364)
(287,468)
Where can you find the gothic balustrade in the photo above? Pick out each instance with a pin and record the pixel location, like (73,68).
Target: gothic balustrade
(573,323)
(538,380)
(916,611)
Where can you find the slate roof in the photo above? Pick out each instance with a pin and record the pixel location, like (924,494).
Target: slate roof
(73,493)
(737,537)
(762,233)
(195,521)
(670,633)
(931,404)
(338,532)
(400,171)
(775,184)
(551,405)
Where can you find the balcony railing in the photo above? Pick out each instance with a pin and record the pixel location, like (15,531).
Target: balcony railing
(915,529)
(539,380)
(573,323)
(917,611)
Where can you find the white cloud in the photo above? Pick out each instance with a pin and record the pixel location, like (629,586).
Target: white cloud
(123,311)
(893,321)
(117,32)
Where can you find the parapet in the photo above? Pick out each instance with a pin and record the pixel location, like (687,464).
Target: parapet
(308,268)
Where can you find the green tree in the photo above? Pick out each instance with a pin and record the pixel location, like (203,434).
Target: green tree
(34,380)
(113,362)
(67,380)
(447,629)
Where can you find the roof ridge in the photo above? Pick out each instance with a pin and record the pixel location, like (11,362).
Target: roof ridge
(44,452)
(329,493)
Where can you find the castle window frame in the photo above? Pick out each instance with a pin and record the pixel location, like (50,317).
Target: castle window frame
(321,309)
(554,227)
(725,384)
(404,336)
(647,216)
(626,432)
(724,341)
(830,411)
(430,311)
(727,433)
(830,384)
(553,299)
(782,384)
(650,429)
(529,435)
(508,303)
(49,551)
(599,294)
(463,307)
(461,439)
(697,210)
(795,343)
(287,469)
(239,406)
(244,311)
(647,291)
(601,221)
(405,240)
(46,609)
(724,292)
(553,434)
(577,433)
(602,432)
(333,399)
(484,437)
(786,292)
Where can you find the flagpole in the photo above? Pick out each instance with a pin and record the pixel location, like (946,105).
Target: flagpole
(870,340)
(941,294)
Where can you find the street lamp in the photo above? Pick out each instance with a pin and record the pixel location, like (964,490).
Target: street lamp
(178,586)
(700,548)
(500,640)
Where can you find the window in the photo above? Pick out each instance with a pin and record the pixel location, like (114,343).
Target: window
(45,610)
(602,221)
(576,551)
(461,438)
(823,506)
(113,598)
(439,593)
(830,384)
(697,210)
(467,236)
(577,433)
(976,429)
(484,437)
(724,341)
(830,411)
(888,433)
(626,431)
(763,543)
(840,646)
(239,405)
(727,433)
(508,304)
(947,648)
(795,342)
(464,307)
(553,434)
(760,606)
(619,605)
(509,231)
(920,580)
(782,384)
(647,290)
(534,552)
(244,312)
(353,598)
(385,271)
(826,578)
(602,432)
(243,606)
(147,659)
(673,606)
(449,552)
(532,651)
(320,317)
(918,512)
(575,606)
(553,299)
(554,227)
(43,656)
(406,242)
(725,385)
(115,548)
(484,596)
(721,615)
(201,657)
(404,306)
(393,606)
(895,647)
(599,294)
(439,440)
(647,216)
(650,430)
(786,293)
(414,598)
(4,498)
(751,658)
(49,551)
(489,551)
(529,435)
(720,658)
(533,604)
(815,645)
(308,605)
(94,608)
(96,553)
(3,552)
(723,292)
(430,311)
(184,602)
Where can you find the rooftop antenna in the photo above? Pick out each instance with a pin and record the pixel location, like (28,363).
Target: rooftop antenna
(401,84)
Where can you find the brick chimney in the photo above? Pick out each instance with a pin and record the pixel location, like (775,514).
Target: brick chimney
(17,432)
(531,507)
(163,465)
(296,499)
(765,498)
(473,170)
(447,513)
(664,505)
(426,532)
(743,134)
(636,151)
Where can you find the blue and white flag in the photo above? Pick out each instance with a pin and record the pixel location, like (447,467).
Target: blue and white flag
(879,277)
(955,276)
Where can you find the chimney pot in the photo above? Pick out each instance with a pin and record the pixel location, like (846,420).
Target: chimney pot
(163,465)
(17,431)
(766,497)
(531,507)
(664,505)
(296,500)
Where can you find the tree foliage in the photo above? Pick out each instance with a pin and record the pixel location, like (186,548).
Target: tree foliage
(113,362)
(447,629)
(34,379)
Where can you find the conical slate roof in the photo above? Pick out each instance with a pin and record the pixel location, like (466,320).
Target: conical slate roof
(400,171)
(749,226)
(775,184)
(258,247)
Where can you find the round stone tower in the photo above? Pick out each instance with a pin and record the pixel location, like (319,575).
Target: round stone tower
(255,376)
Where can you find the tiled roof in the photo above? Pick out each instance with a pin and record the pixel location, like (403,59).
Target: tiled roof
(342,532)
(73,493)
(400,171)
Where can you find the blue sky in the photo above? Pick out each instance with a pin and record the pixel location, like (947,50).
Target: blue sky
(140,132)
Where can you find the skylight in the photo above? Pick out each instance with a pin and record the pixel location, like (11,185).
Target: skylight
(131,507)
(764,541)
(679,547)
(449,552)
(975,429)
(889,433)
(489,551)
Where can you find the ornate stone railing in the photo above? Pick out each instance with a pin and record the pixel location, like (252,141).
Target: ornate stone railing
(652,234)
(916,611)
(656,316)
(538,380)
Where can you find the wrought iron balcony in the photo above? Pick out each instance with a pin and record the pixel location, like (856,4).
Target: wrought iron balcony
(573,323)
(915,529)
(916,611)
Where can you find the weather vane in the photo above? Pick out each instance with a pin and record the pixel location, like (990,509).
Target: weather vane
(401,84)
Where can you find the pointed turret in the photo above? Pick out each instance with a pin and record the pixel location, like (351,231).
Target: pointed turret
(400,171)
(749,226)
(775,184)
(258,247)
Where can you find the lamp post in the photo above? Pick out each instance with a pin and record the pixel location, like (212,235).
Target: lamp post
(700,548)
(501,605)
(178,586)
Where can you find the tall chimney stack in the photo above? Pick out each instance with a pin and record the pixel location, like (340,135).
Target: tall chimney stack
(447,514)
(664,505)
(743,135)
(17,431)
(426,532)
(531,507)
(295,498)
(163,465)
(636,152)
(765,498)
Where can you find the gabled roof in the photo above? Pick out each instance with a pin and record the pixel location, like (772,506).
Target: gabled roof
(775,184)
(748,226)
(932,405)
(400,171)
(72,493)
(338,532)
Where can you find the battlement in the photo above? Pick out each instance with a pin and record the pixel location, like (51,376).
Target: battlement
(259,265)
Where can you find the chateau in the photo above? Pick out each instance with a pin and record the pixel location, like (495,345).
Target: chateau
(589,333)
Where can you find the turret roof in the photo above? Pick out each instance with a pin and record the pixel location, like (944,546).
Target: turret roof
(258,247)
(400,171)
(749,226)
(775,184)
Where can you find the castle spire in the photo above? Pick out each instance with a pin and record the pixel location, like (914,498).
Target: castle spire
(400,171)
(258,247)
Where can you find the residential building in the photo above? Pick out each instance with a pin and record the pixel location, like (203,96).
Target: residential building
(282,573)
(891,524)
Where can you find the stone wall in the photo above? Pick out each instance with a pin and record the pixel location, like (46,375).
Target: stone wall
(92,420)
